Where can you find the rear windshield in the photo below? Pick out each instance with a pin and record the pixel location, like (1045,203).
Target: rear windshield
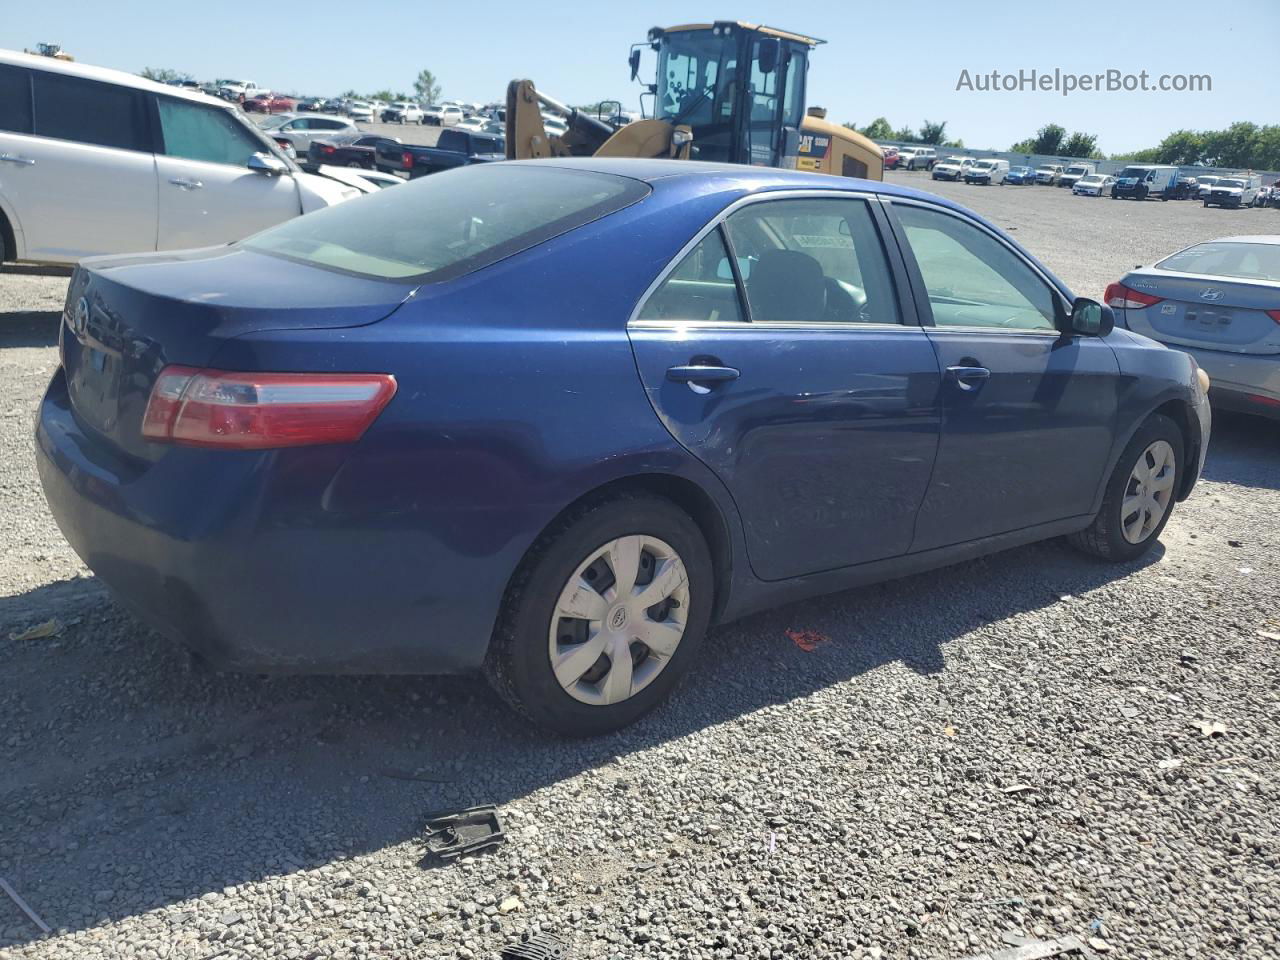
(1247,261)
(449,224)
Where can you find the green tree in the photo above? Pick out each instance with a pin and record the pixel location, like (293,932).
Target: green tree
(931,132)
(1150,155)
(1081,145)
(427,87)
(1048,140)
(165,75)
(905,134)
(1182,147)
(877,129)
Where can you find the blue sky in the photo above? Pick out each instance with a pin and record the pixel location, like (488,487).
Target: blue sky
(901,60)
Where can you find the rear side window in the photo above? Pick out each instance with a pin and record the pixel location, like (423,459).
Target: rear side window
(15,99)
(86,111)
(447,225)
(701,288)
(452,140)
(210,134)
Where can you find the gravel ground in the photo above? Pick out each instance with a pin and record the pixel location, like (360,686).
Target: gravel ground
(1009,747)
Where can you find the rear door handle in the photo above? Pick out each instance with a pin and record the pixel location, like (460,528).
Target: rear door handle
(968,378)
(14,158)
(700,373)
(186,184)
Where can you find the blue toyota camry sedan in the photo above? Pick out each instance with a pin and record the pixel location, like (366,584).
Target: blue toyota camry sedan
(551,420)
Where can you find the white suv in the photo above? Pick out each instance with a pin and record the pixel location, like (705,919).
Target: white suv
(97,161)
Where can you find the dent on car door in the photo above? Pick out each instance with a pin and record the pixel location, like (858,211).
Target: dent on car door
(78,168)
(790,369)
(1029,414)
(208,195)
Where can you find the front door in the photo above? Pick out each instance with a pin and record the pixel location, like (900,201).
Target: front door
(1028,414)
(208,195)
(790,372)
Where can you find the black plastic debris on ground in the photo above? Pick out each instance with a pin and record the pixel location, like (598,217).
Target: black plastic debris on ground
(452,834)
(1066,948)
(540,946)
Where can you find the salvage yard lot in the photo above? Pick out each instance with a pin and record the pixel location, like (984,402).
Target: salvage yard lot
(1012,745)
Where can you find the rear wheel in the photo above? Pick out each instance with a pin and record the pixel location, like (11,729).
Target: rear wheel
(604,616)
(1140,494)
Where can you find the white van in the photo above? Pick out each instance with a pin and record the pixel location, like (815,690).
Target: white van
(97,161)
(1076,172)
(987,171)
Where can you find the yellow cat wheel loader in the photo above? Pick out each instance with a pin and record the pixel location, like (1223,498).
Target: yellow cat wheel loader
(728,92)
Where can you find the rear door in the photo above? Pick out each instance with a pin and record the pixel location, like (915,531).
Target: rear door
(1029,415)
(793,371)
(207,193)
(81,175)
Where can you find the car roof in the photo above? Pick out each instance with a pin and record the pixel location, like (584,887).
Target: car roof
(105,75)
(1253,238)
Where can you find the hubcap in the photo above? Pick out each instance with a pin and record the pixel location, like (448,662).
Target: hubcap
(1148,492)
(619,620)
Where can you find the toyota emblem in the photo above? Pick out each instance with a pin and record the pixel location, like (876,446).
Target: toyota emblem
(1211,294)
(80,319)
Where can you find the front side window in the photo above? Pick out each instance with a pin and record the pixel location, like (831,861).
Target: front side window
(701,288)
(972,279)
(15,99)
(86,111)
(210,134)
(447,225)
(813,261)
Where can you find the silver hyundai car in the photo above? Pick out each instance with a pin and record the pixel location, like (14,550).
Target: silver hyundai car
(1220,302)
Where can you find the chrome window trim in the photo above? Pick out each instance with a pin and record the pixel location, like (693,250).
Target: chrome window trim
(767,325)
(719,218)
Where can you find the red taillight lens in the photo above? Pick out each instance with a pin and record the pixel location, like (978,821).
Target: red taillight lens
(327,149)
(406,160)
(1274,315)
(1120,297)
(254,411)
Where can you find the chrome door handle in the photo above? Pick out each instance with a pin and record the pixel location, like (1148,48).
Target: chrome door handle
(968,378)
(186,184)
(697,373)
(14,158)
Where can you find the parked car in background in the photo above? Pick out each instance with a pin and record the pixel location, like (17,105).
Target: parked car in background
(443,116)
(1074,172)
(269,103)
(454,148)
(300,129)
(310,105)
(987,171)
(1220,302)
(1185,189)
(480,124)
(1049,173)
(555,126)
(402,111)
(1140,181)
(238,90)
(1233,192)
(952,168)
(1205,184)
(1020,175)
(99,161)
(922,158)
(359,110)
(358,388)
(891,157)
(1093,185)
(348,150)
(366,181)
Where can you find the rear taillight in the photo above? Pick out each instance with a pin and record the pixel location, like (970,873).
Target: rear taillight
(406,160)
(1120,297)
(254,411)
(326,149)
(1274,315)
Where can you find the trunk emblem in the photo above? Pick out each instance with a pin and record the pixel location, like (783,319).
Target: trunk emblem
(80,319)
(1211,294)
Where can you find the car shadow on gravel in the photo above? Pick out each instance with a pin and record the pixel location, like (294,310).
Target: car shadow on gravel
(29,328)
(134,782)
(1244,450)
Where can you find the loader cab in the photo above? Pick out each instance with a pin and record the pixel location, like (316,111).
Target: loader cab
(740,87)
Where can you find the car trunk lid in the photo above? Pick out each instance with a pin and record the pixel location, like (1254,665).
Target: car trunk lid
(126,319)
(1209,312)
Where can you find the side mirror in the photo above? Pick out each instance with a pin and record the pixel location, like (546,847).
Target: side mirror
(634,60)
(768,58)
(1091,319)
(266,163)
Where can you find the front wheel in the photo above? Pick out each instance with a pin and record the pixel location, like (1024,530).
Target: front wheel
(603,617)
(1140,495)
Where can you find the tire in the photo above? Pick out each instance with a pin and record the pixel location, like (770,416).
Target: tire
(519,660)
(1105,537)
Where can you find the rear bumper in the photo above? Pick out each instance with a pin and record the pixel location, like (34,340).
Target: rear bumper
(257,561)
(1243,382)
